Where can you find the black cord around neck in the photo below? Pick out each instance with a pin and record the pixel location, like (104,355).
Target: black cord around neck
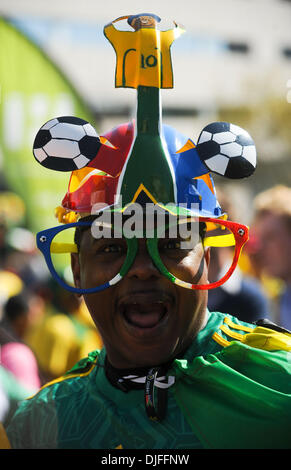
(152,380)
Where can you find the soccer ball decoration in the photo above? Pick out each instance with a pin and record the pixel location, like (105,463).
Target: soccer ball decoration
(227,150)
(66,143)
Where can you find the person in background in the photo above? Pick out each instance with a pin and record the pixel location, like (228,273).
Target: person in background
(242,294)
(64,335)
(19,372)
(271,247)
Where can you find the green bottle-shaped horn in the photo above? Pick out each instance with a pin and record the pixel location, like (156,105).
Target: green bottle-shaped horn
(148,173)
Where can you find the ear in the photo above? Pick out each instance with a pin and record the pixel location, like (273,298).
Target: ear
(227,150)
(75,266)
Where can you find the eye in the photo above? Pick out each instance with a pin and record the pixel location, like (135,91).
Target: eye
(113,248)
(176,247)
(171,245)
(107,247)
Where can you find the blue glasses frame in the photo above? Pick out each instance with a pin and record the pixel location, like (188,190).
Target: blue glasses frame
(44,240)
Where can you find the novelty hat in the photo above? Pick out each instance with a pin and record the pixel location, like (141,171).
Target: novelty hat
(143,160)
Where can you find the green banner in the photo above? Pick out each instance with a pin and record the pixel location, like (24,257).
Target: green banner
(32,91)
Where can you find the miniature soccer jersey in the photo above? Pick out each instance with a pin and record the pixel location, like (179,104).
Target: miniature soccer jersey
(142,57)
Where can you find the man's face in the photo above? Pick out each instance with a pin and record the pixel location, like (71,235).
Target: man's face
(274,245)
(144,319)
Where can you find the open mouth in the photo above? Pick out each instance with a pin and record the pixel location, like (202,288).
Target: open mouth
(145,311)
(144,316)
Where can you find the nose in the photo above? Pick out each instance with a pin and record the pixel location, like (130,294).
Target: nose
(143,267)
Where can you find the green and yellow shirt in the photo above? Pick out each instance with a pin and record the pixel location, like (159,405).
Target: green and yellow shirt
(232,389)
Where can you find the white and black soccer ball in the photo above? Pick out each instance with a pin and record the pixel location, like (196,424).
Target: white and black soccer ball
(66,143)
(227,149)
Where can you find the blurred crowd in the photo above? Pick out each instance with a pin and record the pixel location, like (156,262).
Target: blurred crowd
(260,287)
(45,330)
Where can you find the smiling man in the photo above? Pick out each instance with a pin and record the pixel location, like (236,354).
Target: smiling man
(171,375)
(148,319)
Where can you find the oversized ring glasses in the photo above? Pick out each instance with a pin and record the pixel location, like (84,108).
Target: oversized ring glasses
(180,258)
